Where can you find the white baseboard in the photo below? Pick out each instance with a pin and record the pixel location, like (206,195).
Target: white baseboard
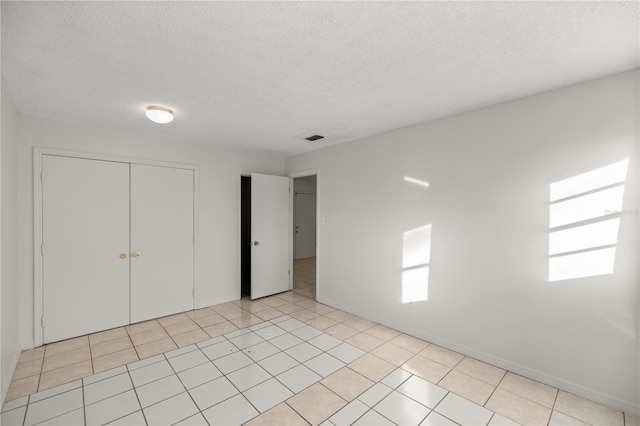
(629,407)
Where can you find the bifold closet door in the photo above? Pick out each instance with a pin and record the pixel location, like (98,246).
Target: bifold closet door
(162,241)
(85,246)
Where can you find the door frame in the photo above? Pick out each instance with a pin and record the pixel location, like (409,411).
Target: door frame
(38,284)
(292,176)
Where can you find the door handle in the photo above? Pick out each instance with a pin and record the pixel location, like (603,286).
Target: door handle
(256,243)
(123,255)
(136,254)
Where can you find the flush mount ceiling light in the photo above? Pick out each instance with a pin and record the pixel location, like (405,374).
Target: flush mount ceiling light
(159,114)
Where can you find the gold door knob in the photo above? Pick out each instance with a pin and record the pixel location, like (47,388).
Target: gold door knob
(123,255)
(136,254)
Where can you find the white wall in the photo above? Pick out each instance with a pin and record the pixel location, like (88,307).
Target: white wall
(9,260)
(218,249)
(488,203)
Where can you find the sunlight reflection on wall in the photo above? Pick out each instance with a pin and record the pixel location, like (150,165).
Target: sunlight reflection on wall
(416,255)
(584,219)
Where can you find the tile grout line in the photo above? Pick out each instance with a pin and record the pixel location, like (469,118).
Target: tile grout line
(135,392)
(183,386)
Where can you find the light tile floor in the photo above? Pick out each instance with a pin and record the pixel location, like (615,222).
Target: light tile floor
(283,360)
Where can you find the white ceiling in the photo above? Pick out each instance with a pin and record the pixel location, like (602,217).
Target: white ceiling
(265,75)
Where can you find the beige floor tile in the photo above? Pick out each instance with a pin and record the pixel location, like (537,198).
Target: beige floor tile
(322,309)
(382,332)
(427,369)
(365,341)
(518,409)
(630,420)
(268,314)
(341,331)
(359,324)
(467,387)
(209,320)
(173,319)
(141,327)
(559,419)
(108,335)
(273,301)
(66,346)
(65,374)
(22,387)
(316,403)
(149,336)
(308,304)
(31,355)
(304,315)
(199,313)
(246,321)
(190,337)
(181,327)
(347,383)
(530,389)
(288,296)
(587,411)
(230,314)
(288,308)
(281,414)
(27,369)
(339,316)
(409,343)
(481,370)
(442,355)
(66,358)
(154,348)
(224,307)
(110,346)
(321,323)
(371,367)
(114,359)
(392,353)
(256,306)
(220,329)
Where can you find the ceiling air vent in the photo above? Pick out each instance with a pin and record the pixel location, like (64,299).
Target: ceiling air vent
(314,138)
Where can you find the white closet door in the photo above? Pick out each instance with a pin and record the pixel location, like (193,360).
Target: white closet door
(162,275)
(269,235)
(85,235)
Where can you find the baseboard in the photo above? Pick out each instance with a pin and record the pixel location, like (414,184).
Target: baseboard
(632,408)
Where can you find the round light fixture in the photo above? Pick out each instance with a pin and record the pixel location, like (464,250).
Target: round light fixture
(159,114)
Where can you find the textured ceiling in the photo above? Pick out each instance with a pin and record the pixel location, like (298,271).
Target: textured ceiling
(266,75)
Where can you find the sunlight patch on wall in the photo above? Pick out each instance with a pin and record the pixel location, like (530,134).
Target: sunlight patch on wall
(584,219)
(416,256)
(418,182)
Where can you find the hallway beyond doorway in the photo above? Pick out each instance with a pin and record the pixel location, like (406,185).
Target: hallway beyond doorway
(304,277)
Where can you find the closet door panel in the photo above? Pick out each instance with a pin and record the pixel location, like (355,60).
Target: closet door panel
(85,235)
(162,248)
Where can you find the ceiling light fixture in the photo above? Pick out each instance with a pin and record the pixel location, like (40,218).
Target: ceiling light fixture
(159,114)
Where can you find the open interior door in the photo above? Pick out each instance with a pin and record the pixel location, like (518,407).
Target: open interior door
(269,235)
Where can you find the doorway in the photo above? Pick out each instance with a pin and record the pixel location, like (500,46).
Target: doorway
(304,235)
